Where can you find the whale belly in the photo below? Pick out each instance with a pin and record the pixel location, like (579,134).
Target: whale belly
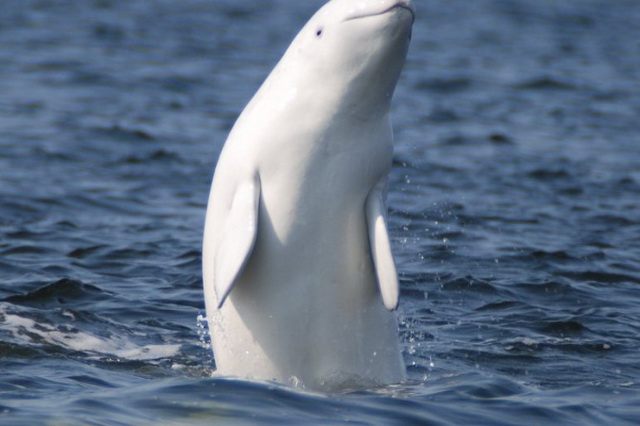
(307,309)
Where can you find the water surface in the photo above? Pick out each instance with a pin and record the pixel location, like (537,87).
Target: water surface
(514,211)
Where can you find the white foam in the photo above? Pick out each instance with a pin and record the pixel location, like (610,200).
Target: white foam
(69,337)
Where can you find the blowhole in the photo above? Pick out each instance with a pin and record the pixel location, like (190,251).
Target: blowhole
(319,32)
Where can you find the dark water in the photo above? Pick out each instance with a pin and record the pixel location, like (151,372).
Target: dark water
(514,211)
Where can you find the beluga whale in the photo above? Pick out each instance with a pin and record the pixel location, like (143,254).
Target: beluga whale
(299,279)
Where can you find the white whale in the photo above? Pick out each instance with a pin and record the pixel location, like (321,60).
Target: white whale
(299,278)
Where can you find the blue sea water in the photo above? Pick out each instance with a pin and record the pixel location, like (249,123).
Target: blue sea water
(514,198)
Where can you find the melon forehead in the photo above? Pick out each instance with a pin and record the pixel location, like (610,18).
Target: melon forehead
(336,12)
(344,59)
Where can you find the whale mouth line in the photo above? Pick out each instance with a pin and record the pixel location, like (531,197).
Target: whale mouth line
(406,7)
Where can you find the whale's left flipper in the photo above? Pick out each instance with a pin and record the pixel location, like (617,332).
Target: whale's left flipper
(239,236)
(381,247)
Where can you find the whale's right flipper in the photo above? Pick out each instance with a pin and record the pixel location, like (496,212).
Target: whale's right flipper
(380,246)
(238,239)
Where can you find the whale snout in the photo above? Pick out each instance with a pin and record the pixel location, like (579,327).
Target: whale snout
(407,5)
(366,8)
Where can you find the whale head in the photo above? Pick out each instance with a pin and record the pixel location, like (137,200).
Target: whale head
(350,54)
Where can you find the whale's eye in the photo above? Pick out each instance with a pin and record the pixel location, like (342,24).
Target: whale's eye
(319,32)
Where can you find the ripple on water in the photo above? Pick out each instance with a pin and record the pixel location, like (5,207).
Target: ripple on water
(513,212)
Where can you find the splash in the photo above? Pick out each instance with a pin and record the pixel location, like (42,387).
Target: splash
(29,331)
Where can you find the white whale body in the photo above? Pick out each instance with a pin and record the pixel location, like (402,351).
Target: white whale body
(299,278)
